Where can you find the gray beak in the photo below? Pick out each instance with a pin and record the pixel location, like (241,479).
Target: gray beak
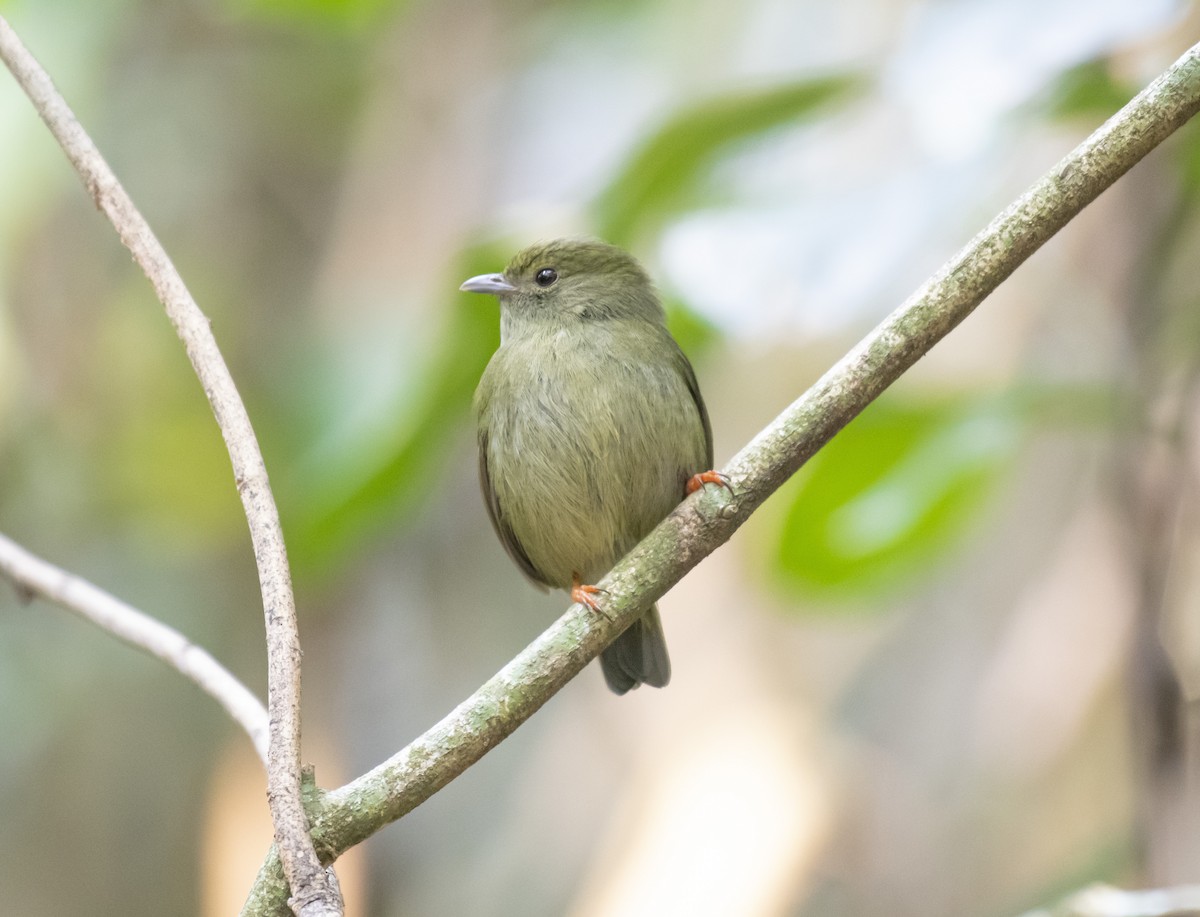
(488,283)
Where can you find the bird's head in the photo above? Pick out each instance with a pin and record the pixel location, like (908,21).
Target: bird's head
(569,280)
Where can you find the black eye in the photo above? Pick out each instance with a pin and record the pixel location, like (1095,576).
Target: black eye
(545,277)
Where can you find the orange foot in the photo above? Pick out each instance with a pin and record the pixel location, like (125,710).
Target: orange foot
(586,595)
(697,481)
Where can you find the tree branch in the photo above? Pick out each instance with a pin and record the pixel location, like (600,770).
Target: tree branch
(313,893)
(36,577)
(347,816)
(1105,901)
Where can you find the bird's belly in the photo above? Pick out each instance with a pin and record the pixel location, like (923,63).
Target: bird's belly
(580,492)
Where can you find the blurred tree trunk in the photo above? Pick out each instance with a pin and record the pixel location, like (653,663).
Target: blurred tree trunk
(1155,484)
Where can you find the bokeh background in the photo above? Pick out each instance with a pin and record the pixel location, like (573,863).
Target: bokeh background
(948,670)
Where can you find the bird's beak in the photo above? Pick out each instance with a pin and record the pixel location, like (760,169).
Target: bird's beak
(488,283)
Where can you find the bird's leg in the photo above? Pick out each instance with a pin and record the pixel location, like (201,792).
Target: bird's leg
(586,595)
(697,481)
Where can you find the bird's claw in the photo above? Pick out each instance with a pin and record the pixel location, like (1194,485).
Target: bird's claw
(585,595)
(697,481)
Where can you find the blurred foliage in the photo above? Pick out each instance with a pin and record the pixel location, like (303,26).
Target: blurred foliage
(894,494)
(157,460)
(663,174)
(333,506)
(1189,158)
(899,487)
(1088,90)
(692,330)
(892,490)
(346,14)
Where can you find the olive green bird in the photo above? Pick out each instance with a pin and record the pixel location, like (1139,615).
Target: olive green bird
(591,428)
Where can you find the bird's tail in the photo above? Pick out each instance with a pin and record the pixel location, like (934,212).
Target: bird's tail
(638,656)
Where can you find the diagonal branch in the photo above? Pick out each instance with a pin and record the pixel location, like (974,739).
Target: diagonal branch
(313,893)
(34,576)
(349,815)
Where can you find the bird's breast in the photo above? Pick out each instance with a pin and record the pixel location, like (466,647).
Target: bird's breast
(588,450)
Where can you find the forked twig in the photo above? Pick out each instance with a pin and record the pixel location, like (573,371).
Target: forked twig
(313,894)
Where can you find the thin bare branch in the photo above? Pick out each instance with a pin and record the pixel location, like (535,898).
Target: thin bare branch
(313,894)
(33,576)
(1105,901)
(705,521)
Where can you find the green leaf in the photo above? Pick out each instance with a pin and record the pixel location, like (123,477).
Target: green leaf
(1187,145)
(660,175)
(351,15)
(893,489)
(1088,90)
(695,333)
(898,488)
(336,506)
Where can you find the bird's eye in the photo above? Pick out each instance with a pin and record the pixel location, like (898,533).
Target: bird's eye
(545,277)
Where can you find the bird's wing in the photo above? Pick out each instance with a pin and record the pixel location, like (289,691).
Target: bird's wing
(504,531)
(689,376)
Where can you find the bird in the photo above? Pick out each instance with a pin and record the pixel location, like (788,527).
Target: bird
(591,429)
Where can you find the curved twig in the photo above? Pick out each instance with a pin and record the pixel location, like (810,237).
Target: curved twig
(313,893)
(34,576)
